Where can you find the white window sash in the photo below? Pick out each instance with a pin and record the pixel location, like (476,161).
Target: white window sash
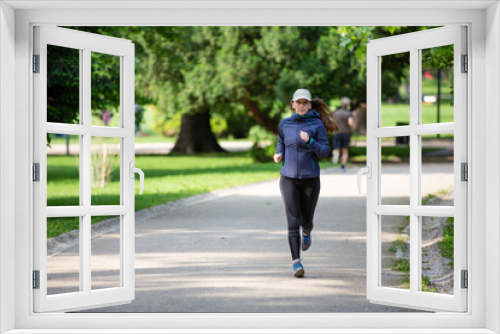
(86,297)
(413,43)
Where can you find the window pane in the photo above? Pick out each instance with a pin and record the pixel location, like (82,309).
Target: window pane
(395,90)
(395,171)
(63,268)
(63,85)
(437,254)
(105,89)
(437,85)
(63,170)
(106,253)
(437,178)
(395,251)
(105,163)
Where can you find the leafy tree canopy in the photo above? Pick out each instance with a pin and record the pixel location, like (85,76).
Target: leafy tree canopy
(188,69)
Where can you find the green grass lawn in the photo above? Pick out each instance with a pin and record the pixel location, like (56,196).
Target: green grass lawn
(393,113)
(167,178)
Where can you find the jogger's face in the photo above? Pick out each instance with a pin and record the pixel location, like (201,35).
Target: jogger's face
(301,106)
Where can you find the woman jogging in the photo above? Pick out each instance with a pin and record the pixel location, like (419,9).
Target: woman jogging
(301,140)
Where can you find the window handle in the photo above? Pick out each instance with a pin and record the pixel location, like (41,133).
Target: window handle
(364,170)
(138,171)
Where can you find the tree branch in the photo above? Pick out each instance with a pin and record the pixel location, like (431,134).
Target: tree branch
(259,115)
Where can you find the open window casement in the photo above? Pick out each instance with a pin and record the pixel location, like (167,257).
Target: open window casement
(418,46)
(76,52)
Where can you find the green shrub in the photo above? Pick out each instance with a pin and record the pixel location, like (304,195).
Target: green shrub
(426,285)
(428,198)
(446,246)
(168,126)
(258,133)
(402,265)
(218,125)
(263,154)
(398,243)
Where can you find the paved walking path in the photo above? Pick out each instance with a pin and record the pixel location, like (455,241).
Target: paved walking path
(231,254)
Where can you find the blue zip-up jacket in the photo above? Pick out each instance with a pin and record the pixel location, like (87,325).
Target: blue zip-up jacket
(300,159)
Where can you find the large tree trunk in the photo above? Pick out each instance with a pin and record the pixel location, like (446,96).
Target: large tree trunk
(196,135)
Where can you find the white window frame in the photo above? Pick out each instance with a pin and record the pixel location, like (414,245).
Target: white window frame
(413,44)
(484,102)
(86,44)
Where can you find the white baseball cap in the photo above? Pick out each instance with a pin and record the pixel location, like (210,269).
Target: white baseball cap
(301,94)
(345,101)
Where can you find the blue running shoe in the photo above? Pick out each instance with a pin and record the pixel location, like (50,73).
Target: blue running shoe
(306,242)
(298,269)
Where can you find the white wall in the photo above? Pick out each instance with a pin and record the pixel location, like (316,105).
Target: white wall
(492,167)
(7,66)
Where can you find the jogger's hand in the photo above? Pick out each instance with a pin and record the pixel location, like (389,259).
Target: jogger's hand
(278,157)
(304,136)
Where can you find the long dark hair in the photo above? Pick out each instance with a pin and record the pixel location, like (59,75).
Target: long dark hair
(326,114)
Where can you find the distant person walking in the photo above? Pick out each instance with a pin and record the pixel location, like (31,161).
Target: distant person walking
(301,141)
(342,139)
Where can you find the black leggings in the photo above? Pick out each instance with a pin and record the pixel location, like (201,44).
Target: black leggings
(300,197)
